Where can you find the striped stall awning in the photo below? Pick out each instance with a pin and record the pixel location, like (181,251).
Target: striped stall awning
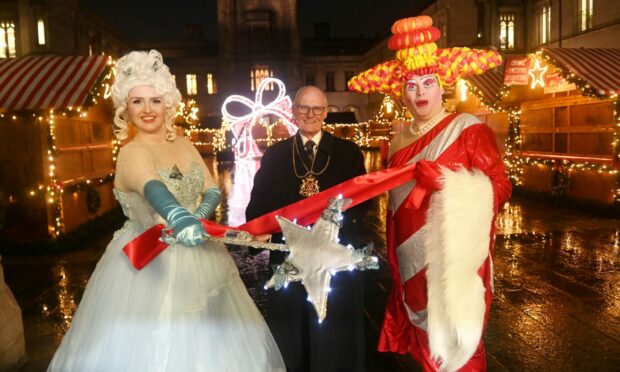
(489,84)
(45,82)
(600,67)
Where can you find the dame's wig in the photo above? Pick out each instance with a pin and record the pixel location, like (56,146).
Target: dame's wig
(143,68)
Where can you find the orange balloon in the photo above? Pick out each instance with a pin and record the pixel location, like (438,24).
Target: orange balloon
(414,38)
(411,24)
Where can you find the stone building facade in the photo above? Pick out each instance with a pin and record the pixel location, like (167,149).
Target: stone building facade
(62,27)
(258,39)
(523,26)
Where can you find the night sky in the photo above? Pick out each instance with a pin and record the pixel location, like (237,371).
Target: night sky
(155,20)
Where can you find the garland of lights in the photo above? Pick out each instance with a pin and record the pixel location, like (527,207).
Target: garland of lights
(513,146)
(188,112)
(583,86)
(559,180)
(388,105)
(494,106)
(616,148)
(361,134)
(561,170)
(54,189)
(218,137)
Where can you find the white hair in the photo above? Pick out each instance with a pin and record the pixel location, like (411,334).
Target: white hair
(143,68)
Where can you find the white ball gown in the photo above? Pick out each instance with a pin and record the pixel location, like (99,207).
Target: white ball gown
(187,310)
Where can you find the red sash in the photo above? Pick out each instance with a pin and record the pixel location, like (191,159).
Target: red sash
(148,245)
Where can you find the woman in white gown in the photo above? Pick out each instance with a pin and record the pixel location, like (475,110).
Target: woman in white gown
(187,310)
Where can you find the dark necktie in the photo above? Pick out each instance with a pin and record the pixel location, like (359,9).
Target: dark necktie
(309,148)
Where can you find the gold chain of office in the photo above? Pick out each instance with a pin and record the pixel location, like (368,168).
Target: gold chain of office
(309,183)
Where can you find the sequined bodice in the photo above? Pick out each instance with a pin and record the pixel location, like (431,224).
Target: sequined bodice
(186,188)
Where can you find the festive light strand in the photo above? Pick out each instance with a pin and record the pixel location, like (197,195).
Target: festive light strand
(54,189)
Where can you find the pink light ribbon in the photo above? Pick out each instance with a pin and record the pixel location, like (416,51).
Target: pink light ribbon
(241,126)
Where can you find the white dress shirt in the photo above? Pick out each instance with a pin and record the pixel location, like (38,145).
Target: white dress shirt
(316,138)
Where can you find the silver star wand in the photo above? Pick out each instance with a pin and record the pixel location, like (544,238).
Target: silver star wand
(315,254)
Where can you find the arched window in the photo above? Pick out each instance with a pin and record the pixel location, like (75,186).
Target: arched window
(258,74)
(7,39)
(507,31)
(586,12)
(544,22)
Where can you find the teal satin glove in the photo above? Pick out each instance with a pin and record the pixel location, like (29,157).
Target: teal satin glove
(192,235)
(210,200)
(188,229)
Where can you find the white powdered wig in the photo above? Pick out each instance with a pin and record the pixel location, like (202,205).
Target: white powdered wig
(143,68)
(460,218)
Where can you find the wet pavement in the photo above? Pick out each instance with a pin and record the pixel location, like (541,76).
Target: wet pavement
(557,287)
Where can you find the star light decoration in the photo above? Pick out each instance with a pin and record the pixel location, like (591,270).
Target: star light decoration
(537,73)
(315,256)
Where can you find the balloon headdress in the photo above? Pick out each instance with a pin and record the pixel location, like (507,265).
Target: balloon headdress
(413,40)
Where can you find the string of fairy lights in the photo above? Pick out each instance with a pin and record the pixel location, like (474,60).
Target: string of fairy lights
(584,86)
(216,138)
(361,133)
(494,104)
(561,168)
(53,189)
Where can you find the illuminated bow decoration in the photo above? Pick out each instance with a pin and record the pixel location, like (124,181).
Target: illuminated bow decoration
(241,126)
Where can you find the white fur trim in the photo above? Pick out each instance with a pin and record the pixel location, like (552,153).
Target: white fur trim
(460,217)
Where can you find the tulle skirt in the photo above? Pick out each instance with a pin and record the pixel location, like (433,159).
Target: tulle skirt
(12,344)
(187,310)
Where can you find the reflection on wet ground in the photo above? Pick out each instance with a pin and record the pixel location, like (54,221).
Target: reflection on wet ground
(558,276)
(557,291)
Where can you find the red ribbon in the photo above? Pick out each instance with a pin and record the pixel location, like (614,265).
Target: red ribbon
(427,175)
(148,245)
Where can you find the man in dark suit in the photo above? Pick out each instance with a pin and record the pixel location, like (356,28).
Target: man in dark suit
(312,161)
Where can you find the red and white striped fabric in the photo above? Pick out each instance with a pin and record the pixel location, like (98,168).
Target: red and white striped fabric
(490,84)
(45,82)
(600,67)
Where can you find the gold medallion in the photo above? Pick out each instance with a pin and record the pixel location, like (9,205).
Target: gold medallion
(309,186)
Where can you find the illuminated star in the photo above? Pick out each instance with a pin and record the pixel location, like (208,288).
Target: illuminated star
(537,75)
(316,255)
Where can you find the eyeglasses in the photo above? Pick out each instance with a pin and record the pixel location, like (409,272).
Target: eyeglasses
(316,110)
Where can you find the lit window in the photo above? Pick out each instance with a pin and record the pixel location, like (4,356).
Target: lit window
(41,31)
(192,86)
(7,39)
(329,81)
(545,24)
(586,8)
(258,74)
(211,84)
(507,31)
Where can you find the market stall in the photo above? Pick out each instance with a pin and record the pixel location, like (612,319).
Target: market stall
(58,150)
(558,112)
